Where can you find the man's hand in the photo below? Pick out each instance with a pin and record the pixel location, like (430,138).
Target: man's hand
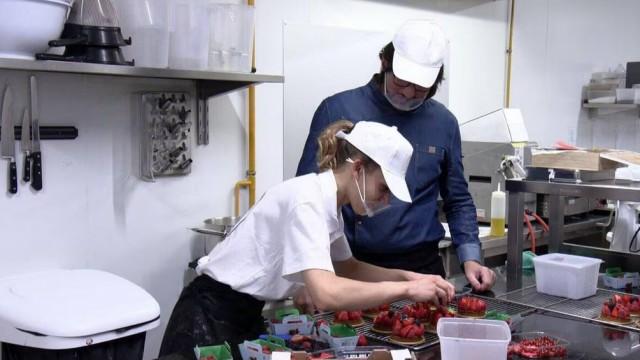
(303,301)
(480,277)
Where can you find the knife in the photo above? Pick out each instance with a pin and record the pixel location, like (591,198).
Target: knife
(36,156)
(7,141)
(25,146)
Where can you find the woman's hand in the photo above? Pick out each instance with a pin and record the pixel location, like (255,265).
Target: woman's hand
(430,288)
(303,302)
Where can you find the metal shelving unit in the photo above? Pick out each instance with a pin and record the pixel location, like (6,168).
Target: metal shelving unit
(207,83)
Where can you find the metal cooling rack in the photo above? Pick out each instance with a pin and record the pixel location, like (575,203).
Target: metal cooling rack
(588,308)
(431,339)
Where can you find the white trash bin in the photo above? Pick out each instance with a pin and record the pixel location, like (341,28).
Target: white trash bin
(68,314)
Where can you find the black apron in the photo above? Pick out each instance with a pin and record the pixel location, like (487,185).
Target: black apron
(424,259)
(209,313)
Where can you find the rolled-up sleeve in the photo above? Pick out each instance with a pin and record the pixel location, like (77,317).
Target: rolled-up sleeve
(458,204)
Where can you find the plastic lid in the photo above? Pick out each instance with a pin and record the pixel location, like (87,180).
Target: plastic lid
(73,303)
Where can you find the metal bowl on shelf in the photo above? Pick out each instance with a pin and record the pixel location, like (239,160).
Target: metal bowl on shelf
(218,226)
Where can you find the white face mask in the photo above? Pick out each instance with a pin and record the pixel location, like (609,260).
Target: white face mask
(400,102)
(372,208)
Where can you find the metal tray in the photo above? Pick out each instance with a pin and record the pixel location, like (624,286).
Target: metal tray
(431,339)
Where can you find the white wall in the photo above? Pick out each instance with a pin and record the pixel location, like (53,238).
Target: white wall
(95,212)
(558,45)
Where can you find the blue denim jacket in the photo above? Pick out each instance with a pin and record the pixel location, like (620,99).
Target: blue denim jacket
(435,168)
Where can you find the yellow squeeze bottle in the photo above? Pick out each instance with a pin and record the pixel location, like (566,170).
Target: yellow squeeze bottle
(498,203)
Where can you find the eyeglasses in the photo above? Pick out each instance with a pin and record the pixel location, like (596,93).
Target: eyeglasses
(405,84)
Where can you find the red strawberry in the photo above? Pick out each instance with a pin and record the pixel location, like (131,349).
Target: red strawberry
(605,310)
(355,315)
(342,316)
(617,298)
(362,341)
(408,321)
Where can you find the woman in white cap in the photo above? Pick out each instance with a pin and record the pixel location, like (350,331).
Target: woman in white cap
(293,237)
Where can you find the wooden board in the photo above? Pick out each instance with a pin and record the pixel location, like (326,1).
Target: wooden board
(587,160)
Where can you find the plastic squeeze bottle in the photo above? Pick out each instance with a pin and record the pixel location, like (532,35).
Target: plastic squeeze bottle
(498,204)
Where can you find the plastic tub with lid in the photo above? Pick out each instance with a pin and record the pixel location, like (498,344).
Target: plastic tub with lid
(570,276)
(478,339)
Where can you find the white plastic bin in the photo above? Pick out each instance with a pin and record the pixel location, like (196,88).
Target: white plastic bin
(570,276)
(462,339)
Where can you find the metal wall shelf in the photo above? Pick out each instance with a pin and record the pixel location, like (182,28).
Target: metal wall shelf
(210,83)
(207,83)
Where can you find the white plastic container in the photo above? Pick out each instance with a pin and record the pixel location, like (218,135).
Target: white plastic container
(26,26)
(478,339)
(570,276)
(147,21)
(188,34)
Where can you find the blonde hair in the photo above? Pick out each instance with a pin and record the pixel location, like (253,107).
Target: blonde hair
(334,152)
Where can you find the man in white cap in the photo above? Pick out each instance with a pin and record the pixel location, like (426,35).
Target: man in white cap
(406,235)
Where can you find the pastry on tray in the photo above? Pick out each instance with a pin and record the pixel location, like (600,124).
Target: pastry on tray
(407,332)
(631,302)
(353,318)
(373,312)
(469,306)
(437,313)
(420,311)
(383,323)
(615,313)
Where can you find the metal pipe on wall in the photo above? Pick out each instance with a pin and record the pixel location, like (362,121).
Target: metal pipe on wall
(250,180)
(507,93)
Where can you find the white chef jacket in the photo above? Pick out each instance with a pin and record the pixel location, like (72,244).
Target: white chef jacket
(296,226)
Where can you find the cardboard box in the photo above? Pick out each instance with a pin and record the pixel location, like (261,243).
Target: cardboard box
(341,354)
(252,350)
(339,336)
(217,352)
(587,160)
(292,324)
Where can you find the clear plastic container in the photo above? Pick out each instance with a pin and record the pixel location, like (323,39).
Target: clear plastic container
(625,96)
(570,276)
(148,23)
(478,339)
(231,37)
(537,345)
(601,96)
(188,34)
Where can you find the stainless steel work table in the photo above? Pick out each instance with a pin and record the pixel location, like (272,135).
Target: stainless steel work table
(612,190)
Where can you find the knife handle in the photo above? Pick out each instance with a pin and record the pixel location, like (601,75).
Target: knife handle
(26,171)
(36,171)
(13,178)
